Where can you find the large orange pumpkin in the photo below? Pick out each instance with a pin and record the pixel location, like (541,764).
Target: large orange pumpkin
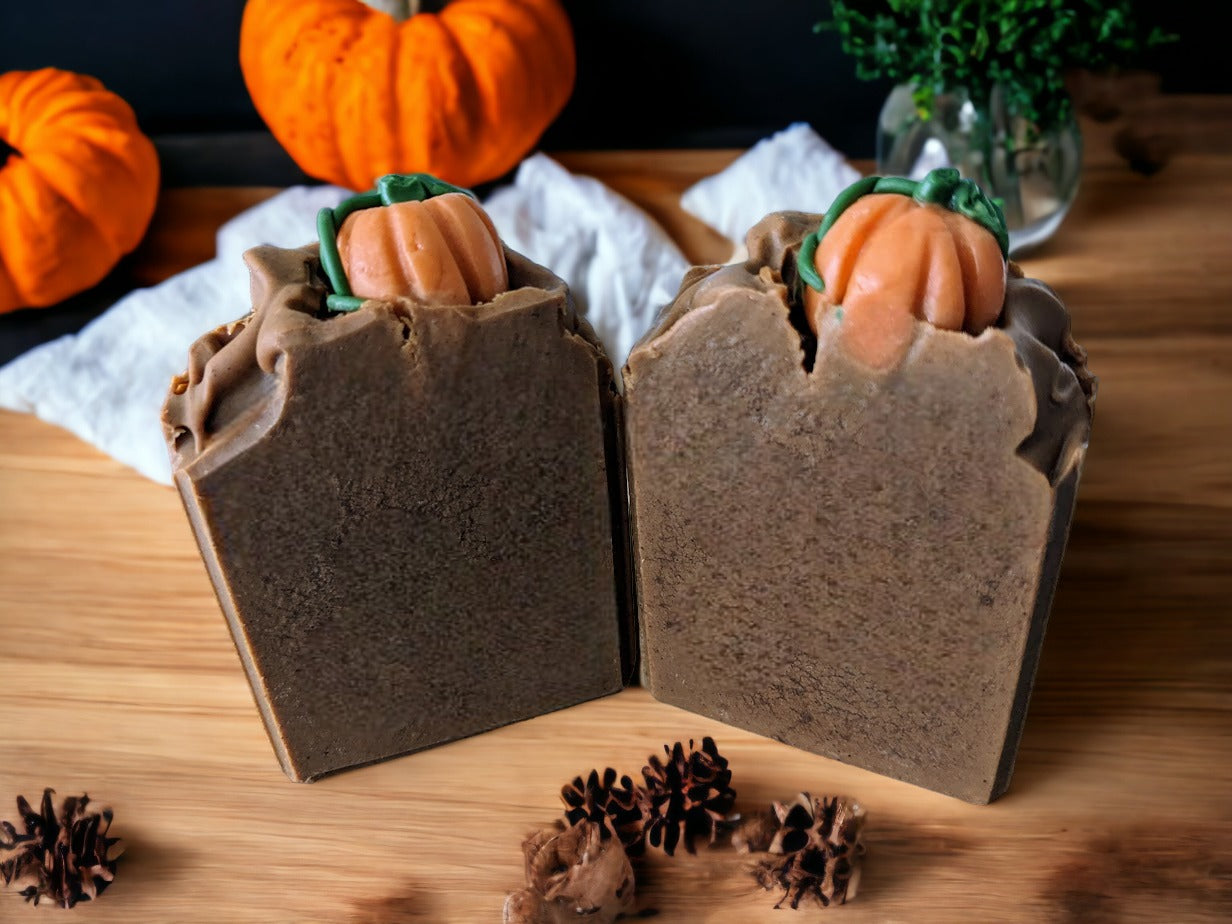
(893,251)
(78,184)
(353,93)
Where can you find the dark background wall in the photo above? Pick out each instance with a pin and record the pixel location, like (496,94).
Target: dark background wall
(651,73)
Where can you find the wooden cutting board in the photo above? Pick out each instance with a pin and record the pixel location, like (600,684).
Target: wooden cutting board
(118,676)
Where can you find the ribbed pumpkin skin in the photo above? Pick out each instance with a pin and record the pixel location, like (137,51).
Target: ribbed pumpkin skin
(889,260)
(79,194)
(442,251)
(352,94)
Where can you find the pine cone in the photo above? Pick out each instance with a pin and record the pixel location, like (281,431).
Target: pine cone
(686,796)
(615,809)
(63,858)
(818,850)
(572,873)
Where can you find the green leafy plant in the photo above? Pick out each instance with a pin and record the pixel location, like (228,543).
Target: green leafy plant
(1024,47)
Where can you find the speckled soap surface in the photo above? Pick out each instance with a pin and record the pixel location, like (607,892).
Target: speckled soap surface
(407,512)
(856,563)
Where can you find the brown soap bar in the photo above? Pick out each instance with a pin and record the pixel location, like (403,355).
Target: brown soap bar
(407,512)
(856,563)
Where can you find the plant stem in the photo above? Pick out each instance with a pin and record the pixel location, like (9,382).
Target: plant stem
(402,10)
(1000,140)
(399,10)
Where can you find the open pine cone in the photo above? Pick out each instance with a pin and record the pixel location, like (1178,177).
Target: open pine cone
(616,809)
(686,796)
(817,850)
(64,858)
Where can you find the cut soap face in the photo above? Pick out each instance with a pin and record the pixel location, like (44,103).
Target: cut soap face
(856,562)
(405,511)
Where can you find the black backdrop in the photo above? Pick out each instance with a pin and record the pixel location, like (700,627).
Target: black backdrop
(651,73)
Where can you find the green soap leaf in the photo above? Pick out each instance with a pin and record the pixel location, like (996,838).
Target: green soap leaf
(331,263)
(414,187)
(343,303)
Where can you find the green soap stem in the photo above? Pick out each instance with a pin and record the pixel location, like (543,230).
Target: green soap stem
(943,186)
(389,190)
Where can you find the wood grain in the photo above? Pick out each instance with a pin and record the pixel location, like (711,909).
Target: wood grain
(119,677)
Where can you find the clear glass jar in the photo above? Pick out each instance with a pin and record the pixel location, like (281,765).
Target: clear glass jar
(1033,174)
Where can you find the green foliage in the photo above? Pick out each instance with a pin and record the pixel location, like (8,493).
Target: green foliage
(1024,45)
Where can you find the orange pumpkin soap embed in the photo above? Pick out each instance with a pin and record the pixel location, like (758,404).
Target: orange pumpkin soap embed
(928,251)
(442,250)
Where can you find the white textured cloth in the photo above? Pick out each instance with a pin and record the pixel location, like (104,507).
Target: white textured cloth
(107,383)
(793,169)
(621,266)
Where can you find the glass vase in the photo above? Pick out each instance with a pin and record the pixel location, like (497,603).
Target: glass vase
(1034,174)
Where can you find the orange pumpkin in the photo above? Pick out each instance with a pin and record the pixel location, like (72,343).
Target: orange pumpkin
(78,183)
(442,251)
(353,93)
(929,251)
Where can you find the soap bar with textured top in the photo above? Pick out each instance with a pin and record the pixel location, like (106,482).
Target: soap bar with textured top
(407,511)
(855,560)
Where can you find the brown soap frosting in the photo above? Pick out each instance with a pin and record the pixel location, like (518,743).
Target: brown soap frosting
(408,512)
(859,563)
(1034,319)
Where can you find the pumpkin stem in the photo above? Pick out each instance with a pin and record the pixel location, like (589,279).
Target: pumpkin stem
(6,150)
(402,10)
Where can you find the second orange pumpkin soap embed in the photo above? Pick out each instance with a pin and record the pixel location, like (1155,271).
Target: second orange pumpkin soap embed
(893,251)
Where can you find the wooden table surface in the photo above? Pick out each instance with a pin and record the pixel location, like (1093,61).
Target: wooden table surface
(118,676)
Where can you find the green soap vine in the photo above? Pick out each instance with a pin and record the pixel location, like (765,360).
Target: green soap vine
(942,186)
(389,190)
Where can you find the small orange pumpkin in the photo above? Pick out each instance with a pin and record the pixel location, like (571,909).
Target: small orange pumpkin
(895,251)
(353,93)
(78,184)
(442,251)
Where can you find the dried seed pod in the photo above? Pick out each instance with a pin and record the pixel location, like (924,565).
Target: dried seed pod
(687,795)
(525,907)
(756,833)
(65,857)
(618,809)
(572,873)
(817,850)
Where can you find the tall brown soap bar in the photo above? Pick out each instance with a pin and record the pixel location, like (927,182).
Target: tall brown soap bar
(406,510)
(857,561)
